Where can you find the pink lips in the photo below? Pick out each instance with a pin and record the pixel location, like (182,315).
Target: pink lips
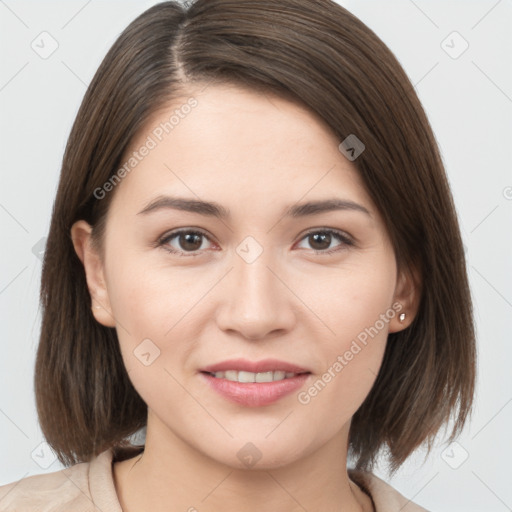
(266,365)
(255,394)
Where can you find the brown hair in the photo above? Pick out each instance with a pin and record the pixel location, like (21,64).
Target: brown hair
(323,57)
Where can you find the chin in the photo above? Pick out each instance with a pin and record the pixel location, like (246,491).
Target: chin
(257,452)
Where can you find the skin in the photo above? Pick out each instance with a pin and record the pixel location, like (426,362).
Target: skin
(254,154)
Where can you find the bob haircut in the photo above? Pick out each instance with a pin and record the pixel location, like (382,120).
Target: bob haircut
(319,55)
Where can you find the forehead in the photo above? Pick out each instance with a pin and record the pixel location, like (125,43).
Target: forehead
(238,147)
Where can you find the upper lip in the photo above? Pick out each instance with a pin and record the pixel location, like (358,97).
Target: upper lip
(265,365)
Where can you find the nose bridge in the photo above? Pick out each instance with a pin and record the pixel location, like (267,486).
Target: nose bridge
(257,302)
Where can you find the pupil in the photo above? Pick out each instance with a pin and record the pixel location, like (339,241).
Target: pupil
(324,236)
(191,240)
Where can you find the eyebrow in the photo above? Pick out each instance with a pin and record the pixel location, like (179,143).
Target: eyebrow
(213,209)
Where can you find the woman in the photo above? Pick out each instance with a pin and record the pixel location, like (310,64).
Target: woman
(253,254)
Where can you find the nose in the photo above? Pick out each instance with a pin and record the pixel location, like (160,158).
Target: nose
(257,303)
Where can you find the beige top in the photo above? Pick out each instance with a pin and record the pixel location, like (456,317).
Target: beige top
(89,486)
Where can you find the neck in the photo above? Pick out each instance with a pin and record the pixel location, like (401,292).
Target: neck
(171,472)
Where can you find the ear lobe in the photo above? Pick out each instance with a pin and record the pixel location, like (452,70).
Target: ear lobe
(408,295)
(94,272)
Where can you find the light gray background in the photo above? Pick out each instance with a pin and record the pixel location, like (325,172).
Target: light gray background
(469,102)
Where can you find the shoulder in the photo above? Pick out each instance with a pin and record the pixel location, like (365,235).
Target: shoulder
(78,488)
(385,497)
(50,491)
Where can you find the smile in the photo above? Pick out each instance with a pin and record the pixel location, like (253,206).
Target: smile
(247,377)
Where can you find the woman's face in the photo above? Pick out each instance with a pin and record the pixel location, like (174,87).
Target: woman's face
(317,289)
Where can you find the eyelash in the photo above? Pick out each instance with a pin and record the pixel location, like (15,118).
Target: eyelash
(342,237)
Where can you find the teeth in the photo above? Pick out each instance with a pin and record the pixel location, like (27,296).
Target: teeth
(242,376)
(230,375)
(264,377)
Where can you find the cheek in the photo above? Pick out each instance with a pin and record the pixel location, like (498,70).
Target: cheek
(148,306)
(351,363)
(157,313)
(351,298)
(148,299)
(356,309)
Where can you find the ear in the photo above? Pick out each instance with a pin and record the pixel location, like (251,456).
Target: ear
(94,273)
(407,295)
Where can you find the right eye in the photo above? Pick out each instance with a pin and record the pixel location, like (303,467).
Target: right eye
(187,242)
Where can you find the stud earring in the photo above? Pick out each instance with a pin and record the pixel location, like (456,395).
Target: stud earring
(401,317)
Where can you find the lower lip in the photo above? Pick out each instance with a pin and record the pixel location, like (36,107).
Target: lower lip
(255,394)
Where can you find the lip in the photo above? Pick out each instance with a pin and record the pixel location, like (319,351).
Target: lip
(255,394)
(265,365)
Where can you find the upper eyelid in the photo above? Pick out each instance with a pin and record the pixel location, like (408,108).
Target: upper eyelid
(171,234)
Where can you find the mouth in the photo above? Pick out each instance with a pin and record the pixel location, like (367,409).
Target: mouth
(254,383)
(246,371)
(246,377)
(254,389)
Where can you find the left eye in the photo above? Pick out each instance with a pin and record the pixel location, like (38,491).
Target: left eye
(187,241)
(326,236)
(190,241)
